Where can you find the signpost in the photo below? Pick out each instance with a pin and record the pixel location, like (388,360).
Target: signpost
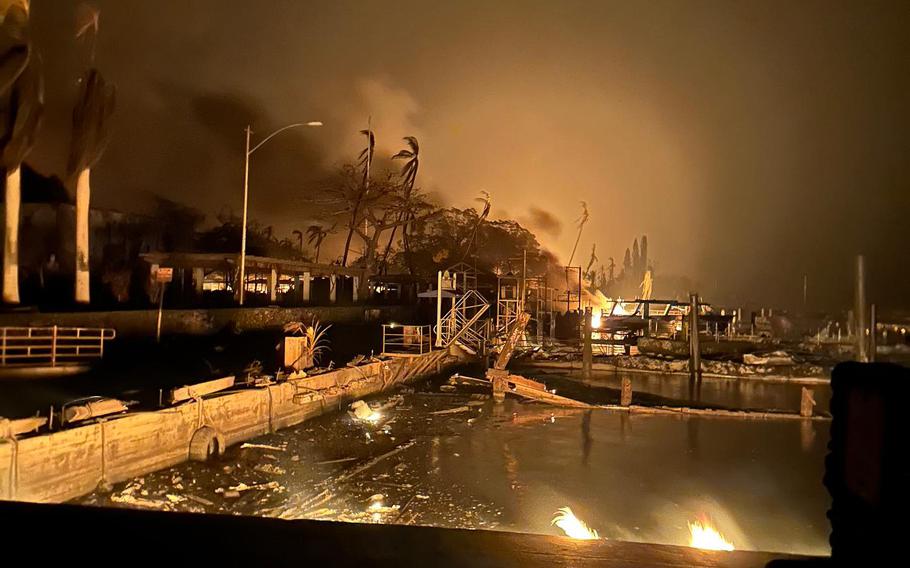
(162,277)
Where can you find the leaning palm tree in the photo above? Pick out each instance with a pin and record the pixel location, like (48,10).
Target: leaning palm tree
(487,201)
(408,178)
(581,225)
(315,235)
(91,134)
(366,162)
(21,105)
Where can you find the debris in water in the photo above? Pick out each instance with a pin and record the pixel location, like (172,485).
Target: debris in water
(574,527)
(362,411)
(452,410)
(270,469)
(341,460)
(246,445)
(200,500)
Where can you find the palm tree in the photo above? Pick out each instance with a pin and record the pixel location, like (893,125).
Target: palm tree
(366,162)
(487,201)
(21,106)
(591,262)
(581,225)
(315,235)
(91,134)
(408,177)
(297,233)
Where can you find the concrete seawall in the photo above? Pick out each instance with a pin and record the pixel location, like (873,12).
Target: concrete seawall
(63,465)
(137,323)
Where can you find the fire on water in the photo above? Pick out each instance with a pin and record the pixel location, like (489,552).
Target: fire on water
(574,527)
(703,535)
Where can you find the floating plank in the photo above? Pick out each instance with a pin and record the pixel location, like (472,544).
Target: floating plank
(11,428)
(189,392)
(503,383)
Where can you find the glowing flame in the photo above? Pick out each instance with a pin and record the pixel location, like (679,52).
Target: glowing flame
(596,314)
(574,527)
(703,535)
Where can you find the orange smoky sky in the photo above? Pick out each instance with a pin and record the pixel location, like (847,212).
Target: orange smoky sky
(753,143)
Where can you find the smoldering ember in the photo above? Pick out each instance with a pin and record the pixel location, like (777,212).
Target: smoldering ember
(607,283)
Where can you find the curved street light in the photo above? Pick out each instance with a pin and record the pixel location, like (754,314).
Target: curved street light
(246,189)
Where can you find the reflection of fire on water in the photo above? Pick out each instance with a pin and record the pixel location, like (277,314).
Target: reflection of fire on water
(574,527)
(703,535)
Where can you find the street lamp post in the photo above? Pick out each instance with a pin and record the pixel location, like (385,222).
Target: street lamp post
(246,190)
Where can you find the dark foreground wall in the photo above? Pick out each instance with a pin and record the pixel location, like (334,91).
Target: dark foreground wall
(107,537)
(137,323)
(866,470)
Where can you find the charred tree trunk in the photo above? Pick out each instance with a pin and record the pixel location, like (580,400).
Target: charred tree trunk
(83,196)
(11,238)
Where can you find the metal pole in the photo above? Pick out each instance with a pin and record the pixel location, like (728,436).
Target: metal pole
(160,310)
(872,338)
(579,288)
(587,351)
(439,308)
(859,310)
(246,191)
(694,350)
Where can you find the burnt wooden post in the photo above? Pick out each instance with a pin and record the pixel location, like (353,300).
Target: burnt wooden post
(646,315)
(872,338)
(499,378)
(587,354)
(807,403)
(694,349)
(625,398)
(859,310)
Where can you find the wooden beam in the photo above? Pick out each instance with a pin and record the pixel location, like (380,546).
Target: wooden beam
(12,428)
(512,340)
(180,394)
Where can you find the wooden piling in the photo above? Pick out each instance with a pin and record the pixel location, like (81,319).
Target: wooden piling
(807,403)
(859,311)
(587,350)
(694,348)
(626,395)
(872,338)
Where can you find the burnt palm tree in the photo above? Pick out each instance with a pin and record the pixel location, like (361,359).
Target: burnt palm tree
(315,235)
(408,178)
(581,225)
(21,106)
(91,134)
(366,163)
(487,201)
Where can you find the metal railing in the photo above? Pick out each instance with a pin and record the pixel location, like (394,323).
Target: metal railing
(53,346)
(463,323)
(406,339)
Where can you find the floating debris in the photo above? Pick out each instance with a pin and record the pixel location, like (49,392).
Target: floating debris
(246,445)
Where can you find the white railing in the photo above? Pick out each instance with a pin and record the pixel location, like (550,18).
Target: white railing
(463,324)
(53,346)
(400,339)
